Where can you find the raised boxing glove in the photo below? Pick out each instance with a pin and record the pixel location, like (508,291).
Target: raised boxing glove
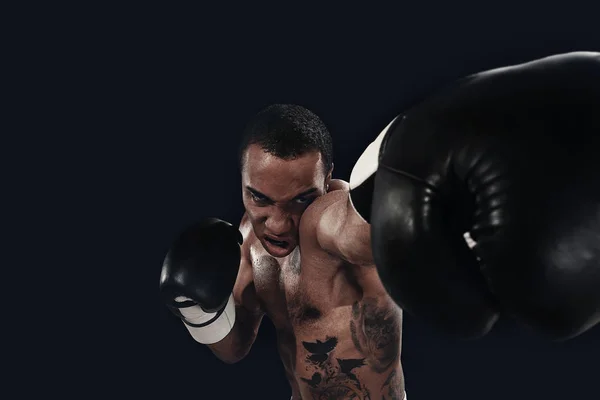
(510,156)
(198,275)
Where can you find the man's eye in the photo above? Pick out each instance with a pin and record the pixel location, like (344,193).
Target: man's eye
(302,200)
(257,198)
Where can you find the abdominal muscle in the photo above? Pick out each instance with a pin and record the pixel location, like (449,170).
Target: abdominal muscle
(336,339)
(332,362)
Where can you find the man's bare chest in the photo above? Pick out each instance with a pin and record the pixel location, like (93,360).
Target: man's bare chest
(299,289)
(276,282)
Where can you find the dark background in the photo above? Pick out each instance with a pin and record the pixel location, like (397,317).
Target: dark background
(357,84)
(147,108)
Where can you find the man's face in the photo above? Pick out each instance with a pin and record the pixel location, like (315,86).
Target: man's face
(276,192)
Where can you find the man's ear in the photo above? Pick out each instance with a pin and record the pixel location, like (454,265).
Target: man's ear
(329,175)
(328,178)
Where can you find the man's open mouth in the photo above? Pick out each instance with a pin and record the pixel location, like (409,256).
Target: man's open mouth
(279,243)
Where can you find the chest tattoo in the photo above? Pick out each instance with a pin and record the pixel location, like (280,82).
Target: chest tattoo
(295,264)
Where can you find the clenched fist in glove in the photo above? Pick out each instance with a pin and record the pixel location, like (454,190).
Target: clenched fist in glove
(198,276)
(510,156)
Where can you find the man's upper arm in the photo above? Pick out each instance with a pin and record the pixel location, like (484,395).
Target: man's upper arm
(238,342)
(342,232)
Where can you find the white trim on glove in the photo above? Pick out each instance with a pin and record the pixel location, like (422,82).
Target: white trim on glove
(216,330)
(368,162)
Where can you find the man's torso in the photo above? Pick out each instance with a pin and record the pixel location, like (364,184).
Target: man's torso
(339,333)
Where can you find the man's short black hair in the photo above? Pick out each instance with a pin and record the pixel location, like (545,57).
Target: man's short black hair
(288,131)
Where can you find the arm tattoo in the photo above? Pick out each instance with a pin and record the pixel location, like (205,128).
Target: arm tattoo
(376,332)
(295,264)
(393,387)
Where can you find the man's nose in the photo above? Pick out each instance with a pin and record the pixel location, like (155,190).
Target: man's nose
(279,222)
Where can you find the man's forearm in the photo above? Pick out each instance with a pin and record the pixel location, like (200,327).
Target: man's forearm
(237,344)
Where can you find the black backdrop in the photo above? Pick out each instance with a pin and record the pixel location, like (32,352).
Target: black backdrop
(356,85)
(155,112)
(356,94)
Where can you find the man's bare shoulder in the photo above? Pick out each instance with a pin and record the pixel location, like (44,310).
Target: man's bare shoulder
(245,226)
(338,184)
(252,246)
(248,235)
(244,291)
(336,197)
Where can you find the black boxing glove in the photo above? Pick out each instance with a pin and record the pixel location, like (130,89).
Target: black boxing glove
(454,297)
(510,156)
(198,275)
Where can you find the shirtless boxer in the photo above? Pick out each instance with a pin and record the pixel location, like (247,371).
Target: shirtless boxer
(304,261)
